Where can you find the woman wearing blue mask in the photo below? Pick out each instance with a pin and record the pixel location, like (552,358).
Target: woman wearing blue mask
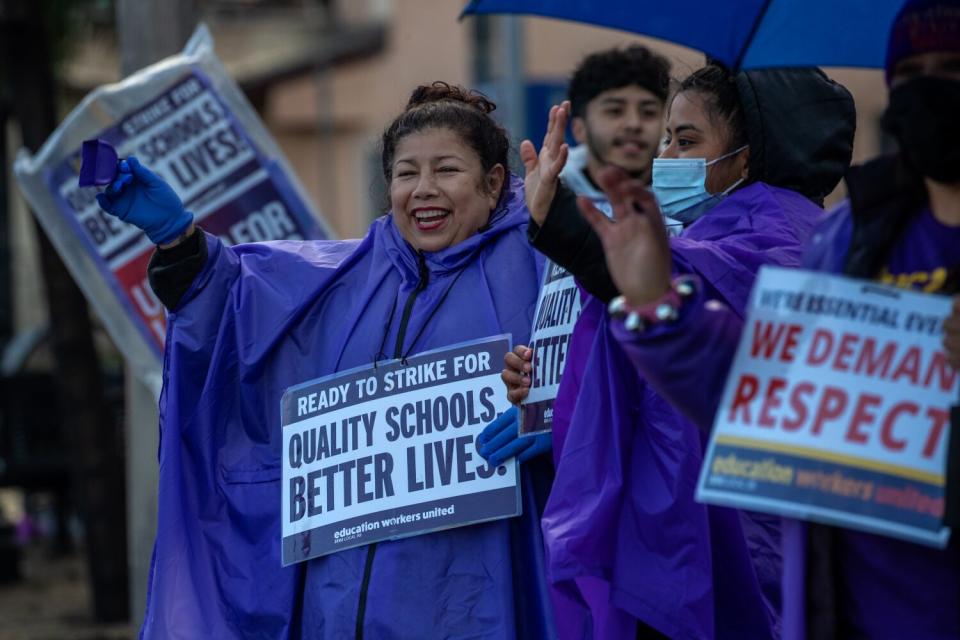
(746,162)
(700,163)
(681,185)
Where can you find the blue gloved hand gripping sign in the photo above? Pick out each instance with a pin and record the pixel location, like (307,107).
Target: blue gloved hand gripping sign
(134,193)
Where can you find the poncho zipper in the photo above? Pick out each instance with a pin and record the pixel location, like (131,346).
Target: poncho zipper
(397,353)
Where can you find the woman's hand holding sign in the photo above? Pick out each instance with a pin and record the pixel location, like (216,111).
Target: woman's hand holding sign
(500,440)
(516,373)
(142,198)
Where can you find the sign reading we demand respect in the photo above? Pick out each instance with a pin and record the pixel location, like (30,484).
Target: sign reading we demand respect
(837,408)
(387,451)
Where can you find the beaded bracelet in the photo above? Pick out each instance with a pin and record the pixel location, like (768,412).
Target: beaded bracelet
(664,309)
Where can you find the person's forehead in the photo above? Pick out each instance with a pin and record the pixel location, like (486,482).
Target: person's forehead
(930,63)
(688,107)
(434,142)
(631,93)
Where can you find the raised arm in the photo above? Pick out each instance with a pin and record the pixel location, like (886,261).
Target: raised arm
(556,229)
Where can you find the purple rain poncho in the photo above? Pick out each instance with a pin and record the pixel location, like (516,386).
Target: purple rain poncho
(621,525)
(262,317)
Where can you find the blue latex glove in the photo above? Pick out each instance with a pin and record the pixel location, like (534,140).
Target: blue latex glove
(500,440)
(142,198)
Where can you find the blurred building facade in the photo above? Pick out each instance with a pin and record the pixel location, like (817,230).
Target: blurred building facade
(329,123)
(327,76)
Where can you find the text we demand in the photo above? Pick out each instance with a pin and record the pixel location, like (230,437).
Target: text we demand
(861,414)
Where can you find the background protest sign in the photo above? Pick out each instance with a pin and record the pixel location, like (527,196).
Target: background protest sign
(187,120)
(837,407)
(558,308)
(387,451)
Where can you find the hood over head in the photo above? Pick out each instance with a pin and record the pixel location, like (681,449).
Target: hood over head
(800,126)
(923,26)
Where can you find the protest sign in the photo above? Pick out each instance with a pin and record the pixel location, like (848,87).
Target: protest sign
(387,451)
(836,409)
(558,308)
(186,120)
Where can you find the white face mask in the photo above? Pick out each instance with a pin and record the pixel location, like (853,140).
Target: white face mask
(679,185)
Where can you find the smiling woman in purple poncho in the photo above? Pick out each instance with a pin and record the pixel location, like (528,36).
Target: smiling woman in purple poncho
(747,160)
(249,321)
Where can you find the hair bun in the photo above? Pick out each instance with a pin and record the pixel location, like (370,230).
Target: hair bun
(443,92)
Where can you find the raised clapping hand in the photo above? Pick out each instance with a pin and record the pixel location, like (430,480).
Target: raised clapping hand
(142,198)
(543,169)
(635,242)
(951,334)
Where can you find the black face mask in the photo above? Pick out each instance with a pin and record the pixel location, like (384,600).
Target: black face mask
(924,117)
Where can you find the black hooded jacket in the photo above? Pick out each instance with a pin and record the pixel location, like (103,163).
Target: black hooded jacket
(800,127)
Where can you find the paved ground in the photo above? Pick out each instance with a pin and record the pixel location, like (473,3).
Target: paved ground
(51,603)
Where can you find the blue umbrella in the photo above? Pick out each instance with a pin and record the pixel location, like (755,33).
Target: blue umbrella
(743,34)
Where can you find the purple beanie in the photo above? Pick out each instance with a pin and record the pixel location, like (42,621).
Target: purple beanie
(923,26)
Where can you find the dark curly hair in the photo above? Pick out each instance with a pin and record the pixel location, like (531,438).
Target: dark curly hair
(615,68)
(718,87)
(446,106)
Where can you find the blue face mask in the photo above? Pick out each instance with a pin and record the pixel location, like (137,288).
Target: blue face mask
(679,185)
